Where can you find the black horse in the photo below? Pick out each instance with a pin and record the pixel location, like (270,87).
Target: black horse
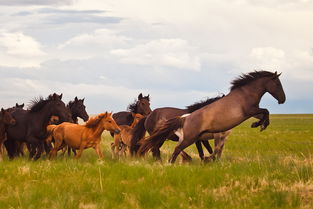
(78,110)
(141,106)
(158,117)
(31,124)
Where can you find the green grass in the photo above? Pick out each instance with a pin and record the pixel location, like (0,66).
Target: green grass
(270,169)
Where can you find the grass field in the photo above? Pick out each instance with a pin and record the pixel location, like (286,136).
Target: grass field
(271,169)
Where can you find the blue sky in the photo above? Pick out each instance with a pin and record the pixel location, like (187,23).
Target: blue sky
(177,51)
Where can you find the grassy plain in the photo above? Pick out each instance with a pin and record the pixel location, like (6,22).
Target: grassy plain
(271,169)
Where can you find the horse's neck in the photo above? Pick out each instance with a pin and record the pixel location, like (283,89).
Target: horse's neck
(254,91)
(97,130)
(43,117)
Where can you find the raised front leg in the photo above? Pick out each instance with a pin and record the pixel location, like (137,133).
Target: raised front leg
(263,116)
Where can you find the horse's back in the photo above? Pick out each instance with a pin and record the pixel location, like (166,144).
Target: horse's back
(160,115)
(123,118)
(70,133)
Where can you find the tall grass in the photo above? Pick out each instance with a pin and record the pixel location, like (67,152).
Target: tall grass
(271,169)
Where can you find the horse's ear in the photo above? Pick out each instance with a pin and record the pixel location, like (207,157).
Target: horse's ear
(76,99)
(275,75)
(61,95)
(16,105)
(278,75)
(2,110)
(148,97)
(22,105)
(140,96)
(83,100)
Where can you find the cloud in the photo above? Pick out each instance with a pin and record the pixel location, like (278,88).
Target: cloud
(173,53)
(19,50)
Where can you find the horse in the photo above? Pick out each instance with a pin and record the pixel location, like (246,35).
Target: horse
(241,103)
(5,120)
(31,124)
(82,136)
(141,106)
(158,116)
(122,140)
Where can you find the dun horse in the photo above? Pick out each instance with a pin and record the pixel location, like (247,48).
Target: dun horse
(122,140)
(82,136)
(241,103)
(159,116)
(5,120)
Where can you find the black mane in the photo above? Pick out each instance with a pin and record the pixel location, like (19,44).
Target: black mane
(133,106)
(249,77)
(38,103)
(70,104)
(200,104)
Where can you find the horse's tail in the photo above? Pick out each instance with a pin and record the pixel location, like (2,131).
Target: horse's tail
(138,133)
(161,134)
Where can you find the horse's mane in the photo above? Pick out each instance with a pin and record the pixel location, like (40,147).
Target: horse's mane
(38,103)
(92,122)
(70,104)
(202,103)
(133,106)
(249,77)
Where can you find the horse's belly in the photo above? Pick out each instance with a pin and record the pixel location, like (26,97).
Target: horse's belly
(73,136)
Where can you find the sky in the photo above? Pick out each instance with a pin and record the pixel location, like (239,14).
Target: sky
(178,51)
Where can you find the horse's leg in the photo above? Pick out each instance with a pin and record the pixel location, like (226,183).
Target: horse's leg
(218,146)
(39,149)
(263,116)
(207,146)
(10,147)
(156,151)
(81,149)
(58,142)
(200,150)
(185,156)
(180,147)
(98,151)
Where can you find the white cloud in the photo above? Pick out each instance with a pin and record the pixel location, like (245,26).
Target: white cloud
(174,53)
(19,50)
(267,57)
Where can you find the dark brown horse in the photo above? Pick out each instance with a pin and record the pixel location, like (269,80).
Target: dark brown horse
(31,124)
(141,106)
(158,117)
(78,110)
(5,120)
(241,103)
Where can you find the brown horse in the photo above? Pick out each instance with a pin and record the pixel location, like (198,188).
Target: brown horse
(141,106)
(241,103)
(82,136)
(5,119)
(122,140)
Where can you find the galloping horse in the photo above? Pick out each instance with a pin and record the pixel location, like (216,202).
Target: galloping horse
(241,103)
(141,106)
(82,136)
(5,120)
(31,124)
(122,140)
(158,116)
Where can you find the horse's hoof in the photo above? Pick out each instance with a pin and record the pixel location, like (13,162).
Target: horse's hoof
(255,124)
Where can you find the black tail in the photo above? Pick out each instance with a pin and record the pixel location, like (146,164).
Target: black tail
(138,133)
(161,134)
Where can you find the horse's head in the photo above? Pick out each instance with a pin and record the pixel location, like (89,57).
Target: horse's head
(137,117)
(58,108)
(108,123)
(7,118)
(78,109)
(274,87)
(143,105)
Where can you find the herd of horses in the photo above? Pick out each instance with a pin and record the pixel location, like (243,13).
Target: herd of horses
(48,125)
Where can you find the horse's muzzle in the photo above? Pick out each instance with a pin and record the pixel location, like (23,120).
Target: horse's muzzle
(117,131)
